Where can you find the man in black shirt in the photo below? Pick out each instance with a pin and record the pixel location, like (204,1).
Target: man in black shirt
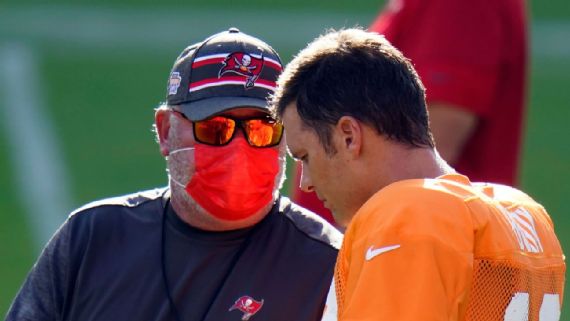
(220,243)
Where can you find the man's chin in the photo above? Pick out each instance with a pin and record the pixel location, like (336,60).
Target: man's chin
(340,218)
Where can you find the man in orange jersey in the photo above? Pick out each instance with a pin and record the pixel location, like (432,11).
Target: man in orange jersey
(422,242)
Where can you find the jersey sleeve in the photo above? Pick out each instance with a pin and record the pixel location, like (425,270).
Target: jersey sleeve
(41,297)
(455,47)
(408,261)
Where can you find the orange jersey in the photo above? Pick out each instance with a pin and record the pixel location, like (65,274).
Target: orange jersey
(448,249)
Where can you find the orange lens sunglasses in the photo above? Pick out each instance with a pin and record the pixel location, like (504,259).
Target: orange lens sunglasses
(220,130)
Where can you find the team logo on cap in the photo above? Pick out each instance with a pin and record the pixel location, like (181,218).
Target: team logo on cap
(247,305)
(242,64)
(174,82)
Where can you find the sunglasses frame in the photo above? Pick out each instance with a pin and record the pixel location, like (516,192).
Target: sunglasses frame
(240,123)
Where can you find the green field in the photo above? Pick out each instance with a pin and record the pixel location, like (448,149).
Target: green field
(97,71)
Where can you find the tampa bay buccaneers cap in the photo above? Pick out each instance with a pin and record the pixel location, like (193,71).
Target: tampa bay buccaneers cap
(227,70)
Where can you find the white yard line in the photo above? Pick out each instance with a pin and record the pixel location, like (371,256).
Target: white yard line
(161,28)
(39,170)
(167,30)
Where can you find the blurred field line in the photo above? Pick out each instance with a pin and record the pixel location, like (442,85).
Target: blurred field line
(39,171)
(128,29)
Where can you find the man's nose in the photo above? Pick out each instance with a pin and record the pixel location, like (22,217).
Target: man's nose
(305,184)
(240,134)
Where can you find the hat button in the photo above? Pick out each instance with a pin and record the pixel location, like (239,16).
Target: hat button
(233,30)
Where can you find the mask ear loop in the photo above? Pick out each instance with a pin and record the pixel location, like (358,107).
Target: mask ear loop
(181,150)
(174,152)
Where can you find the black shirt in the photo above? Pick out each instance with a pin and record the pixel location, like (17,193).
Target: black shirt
(106,263)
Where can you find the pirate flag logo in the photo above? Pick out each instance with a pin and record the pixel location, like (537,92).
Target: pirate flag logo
(244,65)
(248,305)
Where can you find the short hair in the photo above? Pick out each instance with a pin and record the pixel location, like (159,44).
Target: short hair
(360,74)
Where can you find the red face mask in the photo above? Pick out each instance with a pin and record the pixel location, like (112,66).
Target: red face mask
(234,181)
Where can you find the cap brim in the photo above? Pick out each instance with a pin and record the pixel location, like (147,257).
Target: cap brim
(204,108)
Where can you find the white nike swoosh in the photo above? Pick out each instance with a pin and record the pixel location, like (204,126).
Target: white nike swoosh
(371,253)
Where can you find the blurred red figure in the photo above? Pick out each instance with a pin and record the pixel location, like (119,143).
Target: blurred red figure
(472,58)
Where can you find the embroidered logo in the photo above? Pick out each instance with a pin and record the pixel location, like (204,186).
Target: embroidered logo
(174,82)
(248,305)
(372,252)
(242,64)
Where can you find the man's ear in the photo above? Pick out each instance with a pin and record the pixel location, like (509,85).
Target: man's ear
(162,124)
(349,130)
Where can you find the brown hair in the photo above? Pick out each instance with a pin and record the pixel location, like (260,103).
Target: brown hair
(360,74)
